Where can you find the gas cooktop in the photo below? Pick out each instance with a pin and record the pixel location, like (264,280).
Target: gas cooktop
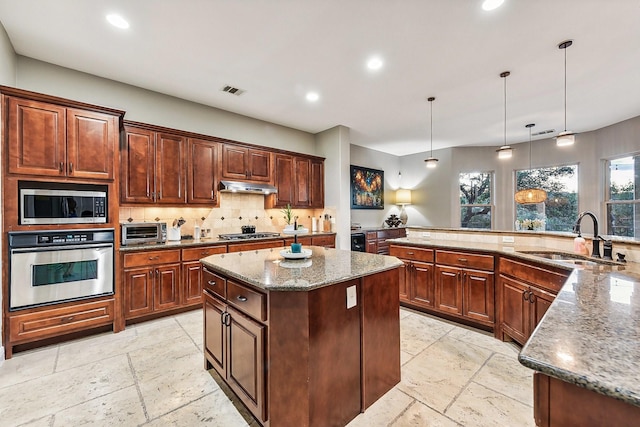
(247,236)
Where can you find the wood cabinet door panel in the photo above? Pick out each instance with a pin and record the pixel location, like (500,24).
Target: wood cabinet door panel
(478,296)
(138,159)
(422,284)
(302,188)
(284,180)
(138,292)
(167,290)
(37,138)
(259,165)
(234,162)
(170,169)
(448,289)
(246,369)
(214,334)
(191,283)
(317,184)
(405,280)
(540,303)
(514,309)
(90,144)
(201,172)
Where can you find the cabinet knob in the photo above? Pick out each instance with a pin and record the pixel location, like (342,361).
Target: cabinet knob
(242,298)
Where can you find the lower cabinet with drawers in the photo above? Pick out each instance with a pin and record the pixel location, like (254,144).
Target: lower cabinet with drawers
(457,284)
(524,293)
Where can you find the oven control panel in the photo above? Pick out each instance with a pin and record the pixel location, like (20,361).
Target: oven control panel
(59,238)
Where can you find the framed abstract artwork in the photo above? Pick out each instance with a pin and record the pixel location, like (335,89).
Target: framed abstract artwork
(367,188)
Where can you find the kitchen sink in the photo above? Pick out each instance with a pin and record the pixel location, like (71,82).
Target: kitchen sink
(578,260)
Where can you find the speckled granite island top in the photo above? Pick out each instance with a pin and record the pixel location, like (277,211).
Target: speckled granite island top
(590,336)
(268,270)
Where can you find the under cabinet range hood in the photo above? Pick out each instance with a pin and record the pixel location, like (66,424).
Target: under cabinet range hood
(247,187)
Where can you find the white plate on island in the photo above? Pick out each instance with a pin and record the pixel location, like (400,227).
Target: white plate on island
(305,253)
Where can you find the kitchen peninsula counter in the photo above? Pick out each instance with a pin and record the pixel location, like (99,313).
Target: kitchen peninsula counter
(212,241)
(303,342)
(589,338)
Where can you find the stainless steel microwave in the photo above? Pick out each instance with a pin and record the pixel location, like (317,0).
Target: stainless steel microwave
(62,206)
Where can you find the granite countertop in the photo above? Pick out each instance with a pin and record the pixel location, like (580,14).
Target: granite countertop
(590,336)
(211,241)
(267,269)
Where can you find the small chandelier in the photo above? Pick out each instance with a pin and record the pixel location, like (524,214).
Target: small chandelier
(530,196)
(505,152)
(431,162)
(565,137)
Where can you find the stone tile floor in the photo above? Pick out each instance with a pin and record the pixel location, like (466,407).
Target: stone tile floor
(153,374)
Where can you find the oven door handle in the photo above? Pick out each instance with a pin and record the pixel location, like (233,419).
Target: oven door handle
(58,248)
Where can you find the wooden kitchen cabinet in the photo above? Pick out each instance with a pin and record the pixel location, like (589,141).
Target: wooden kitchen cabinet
(202,173)
(47,139)
(524,294)
(151,282)
(154,167)
(464,286)
(192,272)
(417,284)
(299,180)
(254,246)
(240,163)
(377,239)
(235,346)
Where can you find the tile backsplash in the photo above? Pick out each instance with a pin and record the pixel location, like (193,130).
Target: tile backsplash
(235,211)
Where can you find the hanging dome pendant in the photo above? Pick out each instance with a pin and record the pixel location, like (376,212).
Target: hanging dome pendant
(530,196)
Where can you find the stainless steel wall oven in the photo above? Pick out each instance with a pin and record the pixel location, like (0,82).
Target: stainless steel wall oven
(48,267)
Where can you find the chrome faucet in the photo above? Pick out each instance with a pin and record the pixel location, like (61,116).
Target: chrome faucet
(596,238)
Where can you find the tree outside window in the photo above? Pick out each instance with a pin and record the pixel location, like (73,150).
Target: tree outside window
(623,201)
(475,199)
(560,210)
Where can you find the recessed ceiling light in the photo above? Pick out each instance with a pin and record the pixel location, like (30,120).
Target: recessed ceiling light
(374,63)
(312,96)
(491,4)
(117,21)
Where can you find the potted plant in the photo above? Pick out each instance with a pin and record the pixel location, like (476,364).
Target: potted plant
(288,217)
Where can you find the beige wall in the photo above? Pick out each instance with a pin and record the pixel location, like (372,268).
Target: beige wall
(435,191)
(151,107)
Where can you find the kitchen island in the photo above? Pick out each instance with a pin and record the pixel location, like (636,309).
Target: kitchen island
(305,342)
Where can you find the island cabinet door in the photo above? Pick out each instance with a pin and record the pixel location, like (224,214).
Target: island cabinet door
(214,334)
(422,285)
(540,302)
(515,309)
(479,295)
(448,289)
(246,368)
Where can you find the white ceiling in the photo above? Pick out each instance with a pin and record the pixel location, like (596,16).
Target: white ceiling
(278,50)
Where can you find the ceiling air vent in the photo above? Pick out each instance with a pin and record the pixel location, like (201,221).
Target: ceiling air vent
(232,90)
(544,132)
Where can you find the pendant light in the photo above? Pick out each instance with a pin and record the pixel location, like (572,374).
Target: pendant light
(431,162)
(505,152)
(565,137)
(530,196)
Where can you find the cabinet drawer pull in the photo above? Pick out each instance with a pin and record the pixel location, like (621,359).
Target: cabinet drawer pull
(526,296)
(242,298)
(409,253)
(462,260)
(150,274)
(61,167)
(532,298)
(211,282)
(67,319)
(204,253)
(70,168)
(151,258)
